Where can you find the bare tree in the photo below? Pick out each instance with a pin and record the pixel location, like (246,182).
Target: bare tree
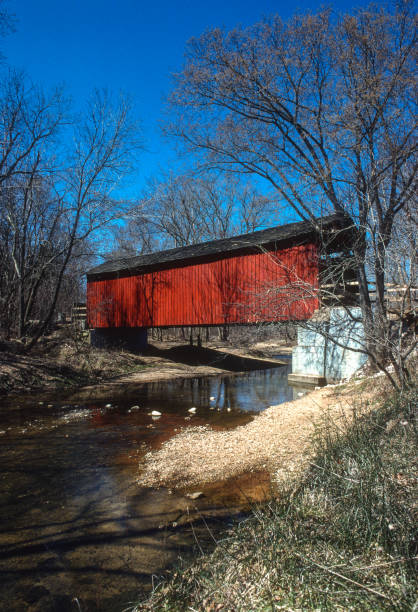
(322,108)
(57,179)
(187,209)
(29,124)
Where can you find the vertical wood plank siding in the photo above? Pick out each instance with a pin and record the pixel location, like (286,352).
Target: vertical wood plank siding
(251,288)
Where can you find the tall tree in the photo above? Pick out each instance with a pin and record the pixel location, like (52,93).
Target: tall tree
(57,179)
(322,107)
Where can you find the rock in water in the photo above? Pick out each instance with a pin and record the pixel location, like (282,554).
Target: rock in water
(195,495)
(155,413)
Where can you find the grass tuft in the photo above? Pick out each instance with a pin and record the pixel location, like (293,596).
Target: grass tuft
(342,539)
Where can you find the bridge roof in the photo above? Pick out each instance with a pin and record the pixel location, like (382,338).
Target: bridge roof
(279,236)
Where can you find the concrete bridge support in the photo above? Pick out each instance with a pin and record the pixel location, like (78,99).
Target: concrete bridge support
(133,339)
(326,349)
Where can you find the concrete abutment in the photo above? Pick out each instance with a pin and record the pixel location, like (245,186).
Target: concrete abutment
(133,339)
(329,347)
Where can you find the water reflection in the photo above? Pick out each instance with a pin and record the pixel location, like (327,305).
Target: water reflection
(76,530)
(250,392)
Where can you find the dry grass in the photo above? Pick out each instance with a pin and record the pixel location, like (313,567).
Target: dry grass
(341,538)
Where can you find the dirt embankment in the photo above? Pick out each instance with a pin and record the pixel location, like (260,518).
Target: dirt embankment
(277,440)
(58,362)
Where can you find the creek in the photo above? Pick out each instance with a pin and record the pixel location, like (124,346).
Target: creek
(77,532)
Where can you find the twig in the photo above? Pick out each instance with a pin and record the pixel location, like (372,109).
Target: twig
(361,586)
(366,567)
(194,533)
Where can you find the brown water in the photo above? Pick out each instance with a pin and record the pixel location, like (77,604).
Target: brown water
(76,530)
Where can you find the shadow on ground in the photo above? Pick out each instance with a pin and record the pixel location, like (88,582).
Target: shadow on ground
(202,356)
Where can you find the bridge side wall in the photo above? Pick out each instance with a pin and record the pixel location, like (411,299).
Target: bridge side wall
(250,288)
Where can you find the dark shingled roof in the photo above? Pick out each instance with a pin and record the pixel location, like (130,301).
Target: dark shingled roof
(295,233)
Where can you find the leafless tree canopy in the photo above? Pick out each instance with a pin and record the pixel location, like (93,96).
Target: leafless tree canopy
(181,209)
(188,209)
(58,174)
(322,107)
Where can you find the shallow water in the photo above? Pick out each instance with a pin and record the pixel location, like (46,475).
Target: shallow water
(76,530)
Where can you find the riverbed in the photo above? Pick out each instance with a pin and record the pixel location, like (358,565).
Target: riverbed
(77,531)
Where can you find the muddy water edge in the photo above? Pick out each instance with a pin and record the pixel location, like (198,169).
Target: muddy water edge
(77,532)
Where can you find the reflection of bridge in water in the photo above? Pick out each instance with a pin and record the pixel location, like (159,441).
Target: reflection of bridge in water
(248,392)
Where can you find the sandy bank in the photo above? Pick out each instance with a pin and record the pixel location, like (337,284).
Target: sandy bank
(277,440)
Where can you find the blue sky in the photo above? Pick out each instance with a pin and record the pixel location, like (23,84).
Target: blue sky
(127,45)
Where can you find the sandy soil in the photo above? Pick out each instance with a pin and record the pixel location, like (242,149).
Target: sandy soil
(277,440)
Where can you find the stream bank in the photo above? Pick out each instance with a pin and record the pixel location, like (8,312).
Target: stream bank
(77,530)
(60,363)
(277,440)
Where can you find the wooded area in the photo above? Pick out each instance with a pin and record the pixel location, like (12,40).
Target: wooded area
(283,119)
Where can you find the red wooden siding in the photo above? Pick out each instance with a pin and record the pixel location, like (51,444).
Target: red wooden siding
(238,289)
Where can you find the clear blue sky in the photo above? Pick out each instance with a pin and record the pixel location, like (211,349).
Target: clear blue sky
(128,45)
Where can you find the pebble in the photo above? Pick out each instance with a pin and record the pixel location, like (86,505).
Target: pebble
(108,406)
(192,410)
(155,413)
(195,495)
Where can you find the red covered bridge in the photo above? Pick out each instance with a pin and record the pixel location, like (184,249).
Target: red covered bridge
(267,275)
